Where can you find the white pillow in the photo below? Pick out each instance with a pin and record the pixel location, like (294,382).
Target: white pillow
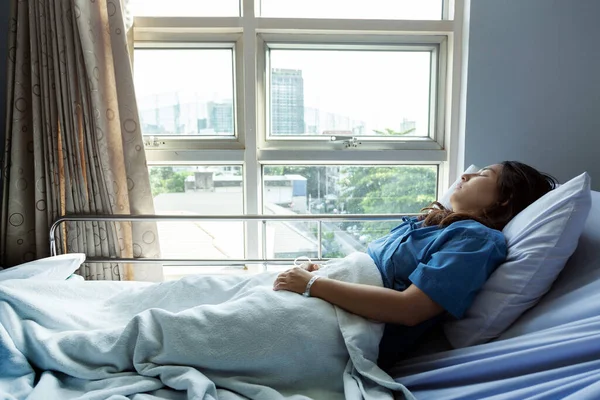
(51,268)
(445,199)
(540,240)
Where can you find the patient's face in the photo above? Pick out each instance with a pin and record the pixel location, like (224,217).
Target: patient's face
(477,191)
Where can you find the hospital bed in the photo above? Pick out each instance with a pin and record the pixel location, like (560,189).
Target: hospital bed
(551,352)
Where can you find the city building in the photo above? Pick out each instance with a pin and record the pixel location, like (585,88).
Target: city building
(319,121)
(220,117)
(287,102)
(183,113)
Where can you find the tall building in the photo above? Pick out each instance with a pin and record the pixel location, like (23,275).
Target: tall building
(220,117)
(202,124)
(287,102)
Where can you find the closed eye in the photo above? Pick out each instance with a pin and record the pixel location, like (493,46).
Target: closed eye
(481,171)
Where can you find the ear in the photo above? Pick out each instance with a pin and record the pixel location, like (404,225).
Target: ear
(505,203)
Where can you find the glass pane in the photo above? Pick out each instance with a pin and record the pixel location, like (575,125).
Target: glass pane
(340,190)
(198,190)
(325,92)
(358,9)
(185,91)
(185,8)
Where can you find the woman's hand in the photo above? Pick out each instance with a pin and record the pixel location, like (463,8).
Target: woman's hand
(310,267)
(293,280)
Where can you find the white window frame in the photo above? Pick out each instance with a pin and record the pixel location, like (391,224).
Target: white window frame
(250,37)
(432,43)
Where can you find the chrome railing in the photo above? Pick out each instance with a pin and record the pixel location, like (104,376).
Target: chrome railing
(217,262)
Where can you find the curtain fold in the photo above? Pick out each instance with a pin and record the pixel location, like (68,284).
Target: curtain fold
(73,141)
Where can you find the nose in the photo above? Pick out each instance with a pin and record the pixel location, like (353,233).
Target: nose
(466,177)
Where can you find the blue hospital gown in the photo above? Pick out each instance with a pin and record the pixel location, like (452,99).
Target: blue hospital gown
(449,264)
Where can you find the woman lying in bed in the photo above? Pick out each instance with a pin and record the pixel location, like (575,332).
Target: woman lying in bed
(235,337)
(435,263)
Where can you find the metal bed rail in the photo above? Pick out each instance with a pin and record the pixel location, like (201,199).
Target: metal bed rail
(211,261)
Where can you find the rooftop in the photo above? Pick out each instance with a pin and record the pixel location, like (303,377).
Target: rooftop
(220,239)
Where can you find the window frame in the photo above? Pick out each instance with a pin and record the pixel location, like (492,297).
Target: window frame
(250,35)
(180,142)
(434,141)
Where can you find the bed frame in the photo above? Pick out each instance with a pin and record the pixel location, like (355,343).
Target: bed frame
(218,262)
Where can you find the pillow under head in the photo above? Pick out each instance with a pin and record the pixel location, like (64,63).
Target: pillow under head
(540,240)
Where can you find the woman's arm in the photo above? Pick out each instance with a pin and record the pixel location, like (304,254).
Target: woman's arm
(410,307)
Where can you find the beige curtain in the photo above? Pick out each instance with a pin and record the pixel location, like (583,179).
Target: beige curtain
(73,140)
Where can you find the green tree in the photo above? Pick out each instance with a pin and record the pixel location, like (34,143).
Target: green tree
(331,247)
(166,180)
(387,190)
(176,184)
(391,132)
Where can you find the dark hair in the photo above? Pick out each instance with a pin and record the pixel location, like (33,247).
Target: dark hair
(519,185)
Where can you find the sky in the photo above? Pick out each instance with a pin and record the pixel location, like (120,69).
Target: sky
(381,89)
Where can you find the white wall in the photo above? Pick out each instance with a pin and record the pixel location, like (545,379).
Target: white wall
(534,85)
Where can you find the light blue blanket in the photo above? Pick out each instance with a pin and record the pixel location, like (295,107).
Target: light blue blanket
(198,338)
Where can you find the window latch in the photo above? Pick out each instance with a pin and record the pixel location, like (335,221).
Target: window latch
(349,141)
(152,141)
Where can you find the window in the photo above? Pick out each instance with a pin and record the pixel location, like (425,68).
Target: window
(198,190)
(295,108)
(193,96)
(358,9)
(320,92)
(340,189)
(186,8)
